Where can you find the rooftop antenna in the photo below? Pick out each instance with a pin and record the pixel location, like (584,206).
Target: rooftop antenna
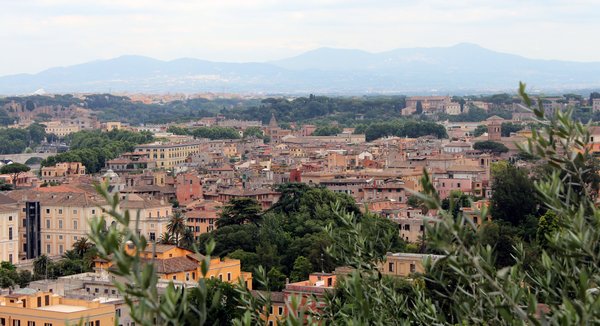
(322,269)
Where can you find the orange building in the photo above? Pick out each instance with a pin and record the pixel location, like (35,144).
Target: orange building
(31,307)
(178,264)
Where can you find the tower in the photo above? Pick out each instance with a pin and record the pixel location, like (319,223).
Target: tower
(494,126)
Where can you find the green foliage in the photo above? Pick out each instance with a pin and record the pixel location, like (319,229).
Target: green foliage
(222,299)
(139,285)
(240,211)
(490,146)
(214,132)
(277,279)
(254,132)
(513,194)
(80,259)
(94,148)
(15,169)
(10,277)
(177,226)
(302,268)
(480,130)
(327,131)
(508,127)
(548,226)
(319,107)
(15,141)
(404,128)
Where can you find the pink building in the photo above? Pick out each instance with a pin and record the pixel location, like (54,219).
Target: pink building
(445,186)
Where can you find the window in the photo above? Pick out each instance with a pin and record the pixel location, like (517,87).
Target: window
(39,301)
(271,323)
(280,311)
(175,277)
(74,212)
(93,211)
(391,267)
(228,276)
(193,275)
(413,268)
(16,322)
(152,236)
(47,224)
(75,224)
(220,277)
(47,210)
(47,300)
(47,324)
(60,211)
(60,224)
(10,217)
(60,237)
(10,258)
(75,238)
(10,233)
(118,312)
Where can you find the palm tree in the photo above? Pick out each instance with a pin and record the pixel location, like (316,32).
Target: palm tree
(177,226)
(187,239)
(82,246)
(40,266)
(165,238)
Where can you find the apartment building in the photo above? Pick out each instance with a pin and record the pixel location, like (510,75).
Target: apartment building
(178,264)
(9,229)
(61,128)
(52,219)
(61,171)
(31,307)
(169,155)
(404,264)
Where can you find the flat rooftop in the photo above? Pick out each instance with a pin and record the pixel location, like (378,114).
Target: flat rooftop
(63,308)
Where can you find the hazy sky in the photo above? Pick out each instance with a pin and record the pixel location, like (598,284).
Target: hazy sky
(38,34)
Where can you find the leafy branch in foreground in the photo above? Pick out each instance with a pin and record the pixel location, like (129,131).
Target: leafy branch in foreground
(136,278)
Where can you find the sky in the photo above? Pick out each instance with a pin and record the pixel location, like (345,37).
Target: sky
(39,34)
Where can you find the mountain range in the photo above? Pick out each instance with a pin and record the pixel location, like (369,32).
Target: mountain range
(462,68)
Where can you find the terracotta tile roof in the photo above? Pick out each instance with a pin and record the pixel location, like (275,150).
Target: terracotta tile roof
(173,265)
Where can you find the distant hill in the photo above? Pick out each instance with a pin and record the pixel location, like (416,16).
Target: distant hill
(463,68)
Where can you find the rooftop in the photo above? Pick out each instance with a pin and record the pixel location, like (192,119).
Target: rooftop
(62,308)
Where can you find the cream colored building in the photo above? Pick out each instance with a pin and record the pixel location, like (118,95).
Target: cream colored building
(169,155)
(64,217)
(404,264)
(596,105)
(60,128)
(28,307)
(9,229)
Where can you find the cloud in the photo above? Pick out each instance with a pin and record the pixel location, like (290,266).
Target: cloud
(62,32)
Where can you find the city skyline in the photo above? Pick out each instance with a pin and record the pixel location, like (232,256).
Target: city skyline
(69,32)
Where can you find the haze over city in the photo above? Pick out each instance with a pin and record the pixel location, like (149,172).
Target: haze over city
(41,34)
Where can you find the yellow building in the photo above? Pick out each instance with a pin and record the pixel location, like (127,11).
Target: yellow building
(28,307)
(178,264)
(167,156)
(62,170)
(404,264)
(113,125)
(60,128)
(9,229)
